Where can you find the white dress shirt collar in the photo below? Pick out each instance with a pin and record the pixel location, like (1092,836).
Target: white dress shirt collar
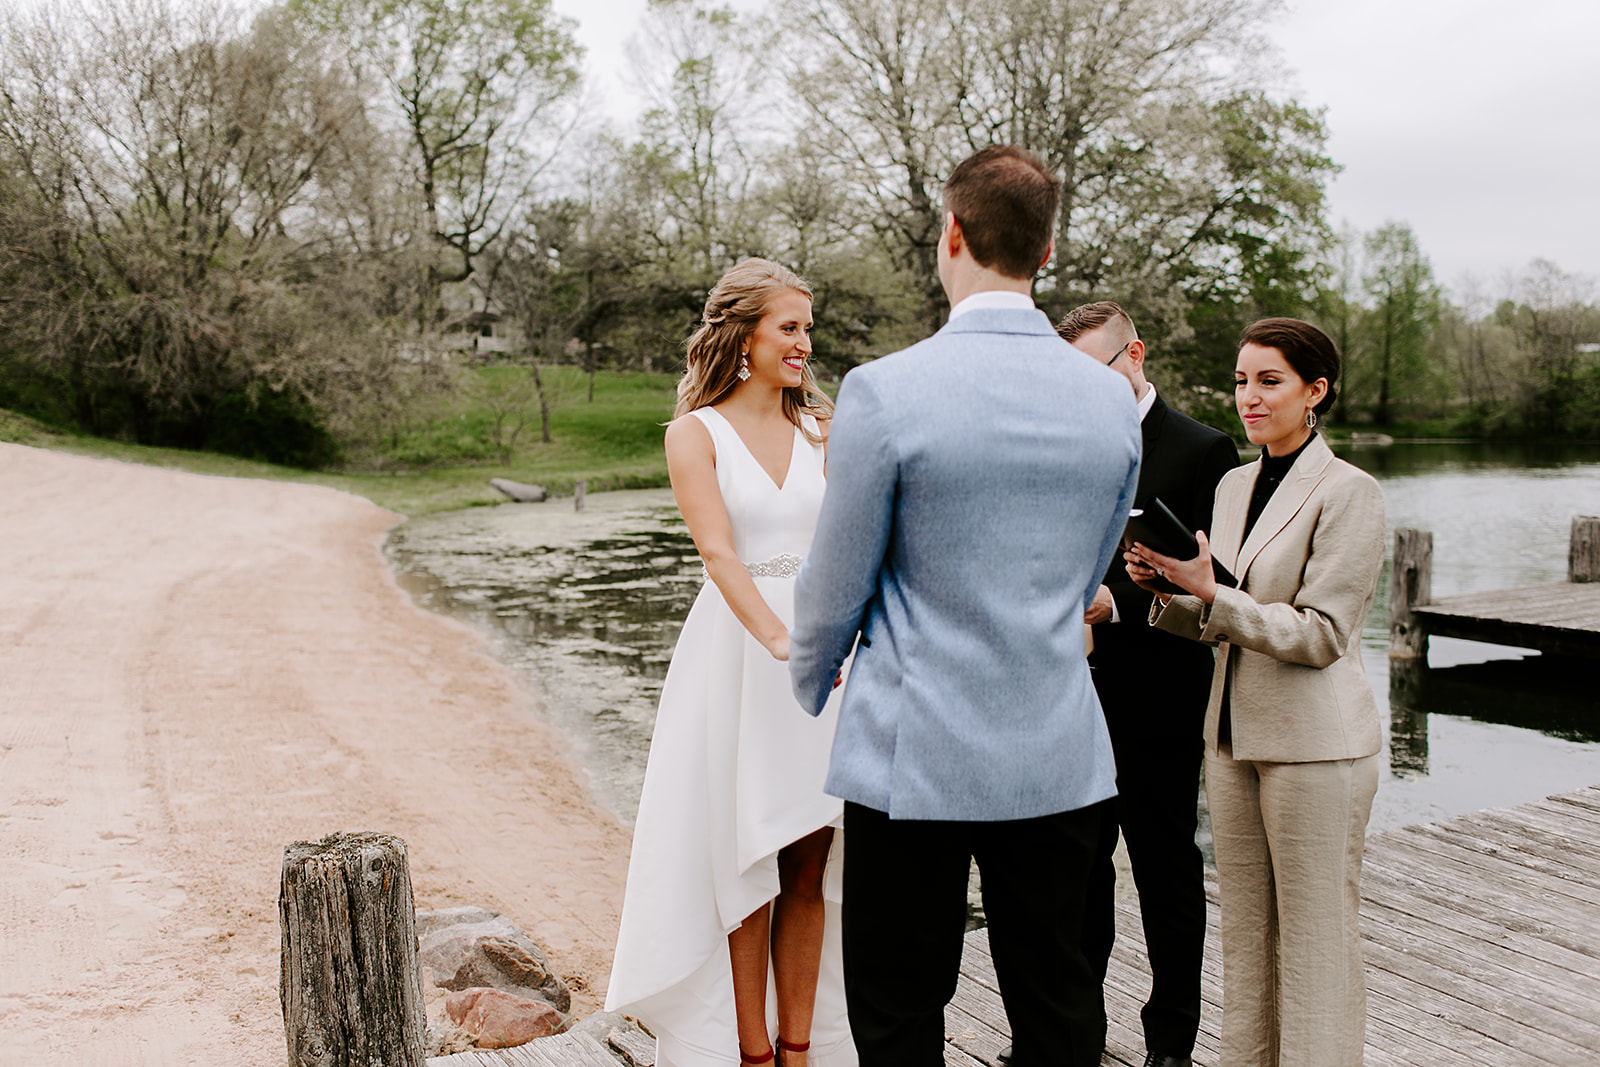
(1147,401)
(993,298)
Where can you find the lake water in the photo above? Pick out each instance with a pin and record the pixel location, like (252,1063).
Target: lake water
(590,609)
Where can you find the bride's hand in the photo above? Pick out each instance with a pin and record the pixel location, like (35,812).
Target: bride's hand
(1143,575)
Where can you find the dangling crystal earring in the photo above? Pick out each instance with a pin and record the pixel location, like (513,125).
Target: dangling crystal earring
(744,366)
(1311,420)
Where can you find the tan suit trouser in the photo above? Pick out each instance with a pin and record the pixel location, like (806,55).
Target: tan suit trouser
(1288,840)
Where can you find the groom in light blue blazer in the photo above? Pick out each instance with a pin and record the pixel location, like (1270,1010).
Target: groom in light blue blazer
(977,486)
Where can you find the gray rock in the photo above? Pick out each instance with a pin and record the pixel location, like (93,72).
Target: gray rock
(521,492)
(469,947)
(439,918)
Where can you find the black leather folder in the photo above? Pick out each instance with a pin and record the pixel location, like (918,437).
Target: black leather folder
(1156,527)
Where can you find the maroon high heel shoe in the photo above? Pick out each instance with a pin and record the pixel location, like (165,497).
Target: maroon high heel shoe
(790,1046)
(745,1057)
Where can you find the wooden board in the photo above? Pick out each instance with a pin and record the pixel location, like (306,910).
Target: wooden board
(1561,617)
(561,1050)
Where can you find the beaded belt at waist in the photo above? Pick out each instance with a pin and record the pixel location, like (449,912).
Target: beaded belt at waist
(784,566)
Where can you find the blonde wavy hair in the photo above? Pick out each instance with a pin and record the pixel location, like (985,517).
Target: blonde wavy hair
(733,310)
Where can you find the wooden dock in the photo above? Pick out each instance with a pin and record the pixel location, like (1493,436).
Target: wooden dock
(1560,618)
(1481,936)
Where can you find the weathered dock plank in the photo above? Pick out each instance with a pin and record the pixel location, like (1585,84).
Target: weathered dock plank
(1558,617)
(562,1050)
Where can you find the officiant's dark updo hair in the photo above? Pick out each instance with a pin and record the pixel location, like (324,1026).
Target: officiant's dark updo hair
(1309,351)
(734,308)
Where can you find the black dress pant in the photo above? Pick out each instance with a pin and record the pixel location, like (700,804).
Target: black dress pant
(905,894)
(1158,785)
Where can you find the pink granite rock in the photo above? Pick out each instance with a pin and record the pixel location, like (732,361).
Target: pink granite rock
(497,1019)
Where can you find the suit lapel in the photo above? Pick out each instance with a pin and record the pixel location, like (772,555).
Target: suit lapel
(1150,433)
(1225,546)
(1286,502)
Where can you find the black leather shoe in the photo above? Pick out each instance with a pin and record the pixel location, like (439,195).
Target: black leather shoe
(1004,1055)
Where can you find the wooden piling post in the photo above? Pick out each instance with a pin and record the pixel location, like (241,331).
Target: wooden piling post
(1583,557)
(580,489)
(350,987)
(1410,585)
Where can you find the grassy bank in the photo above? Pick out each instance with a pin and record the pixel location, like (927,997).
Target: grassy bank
(613,443)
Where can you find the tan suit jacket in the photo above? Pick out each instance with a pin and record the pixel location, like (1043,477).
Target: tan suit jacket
(1289,638)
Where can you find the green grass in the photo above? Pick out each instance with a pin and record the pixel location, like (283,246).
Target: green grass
(612,443)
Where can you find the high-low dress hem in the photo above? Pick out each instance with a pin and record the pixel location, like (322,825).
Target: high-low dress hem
(736,773)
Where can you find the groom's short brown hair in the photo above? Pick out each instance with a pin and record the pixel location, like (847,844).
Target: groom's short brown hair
(1005,199)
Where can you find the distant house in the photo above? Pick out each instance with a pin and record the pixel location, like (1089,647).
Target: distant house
(475,322)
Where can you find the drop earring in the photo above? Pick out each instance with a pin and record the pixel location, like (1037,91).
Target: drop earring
(744,366)
(1311,420)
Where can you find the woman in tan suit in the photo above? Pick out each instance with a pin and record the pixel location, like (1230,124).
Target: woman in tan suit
(1292,730)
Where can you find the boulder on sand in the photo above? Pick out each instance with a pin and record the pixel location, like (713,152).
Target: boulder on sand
(521,492)
(497,1019)
(469,947)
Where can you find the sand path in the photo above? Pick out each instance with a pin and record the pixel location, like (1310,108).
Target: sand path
(195,671)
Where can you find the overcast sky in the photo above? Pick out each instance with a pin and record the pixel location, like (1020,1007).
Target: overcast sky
(1477,122)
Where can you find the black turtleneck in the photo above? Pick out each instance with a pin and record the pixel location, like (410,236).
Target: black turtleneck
(1273,470)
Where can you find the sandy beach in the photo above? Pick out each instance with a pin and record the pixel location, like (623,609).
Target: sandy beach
(196,671)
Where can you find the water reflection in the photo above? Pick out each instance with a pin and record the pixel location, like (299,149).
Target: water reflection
(592,622)
(1546,694)
(1408,718)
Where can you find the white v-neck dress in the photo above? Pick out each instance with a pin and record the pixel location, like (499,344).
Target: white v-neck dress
(736,772)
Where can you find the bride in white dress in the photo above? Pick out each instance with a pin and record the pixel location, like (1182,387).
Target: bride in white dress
(730,879)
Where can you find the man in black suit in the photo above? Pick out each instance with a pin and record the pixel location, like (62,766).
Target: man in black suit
(1153,686)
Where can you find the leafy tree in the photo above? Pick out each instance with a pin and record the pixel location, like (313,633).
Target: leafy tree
(1248,241)
(1481,353)
(1337,302)
(1554,318)
(1196,201)
(1406,309)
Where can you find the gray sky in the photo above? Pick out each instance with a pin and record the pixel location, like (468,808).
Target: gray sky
(1477,122)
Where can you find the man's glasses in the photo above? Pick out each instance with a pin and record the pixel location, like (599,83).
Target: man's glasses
(1118,356)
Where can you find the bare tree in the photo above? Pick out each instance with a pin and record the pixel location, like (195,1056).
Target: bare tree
(696,69)
(484,90)
(176,152)
(885,83)
(1554,315)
